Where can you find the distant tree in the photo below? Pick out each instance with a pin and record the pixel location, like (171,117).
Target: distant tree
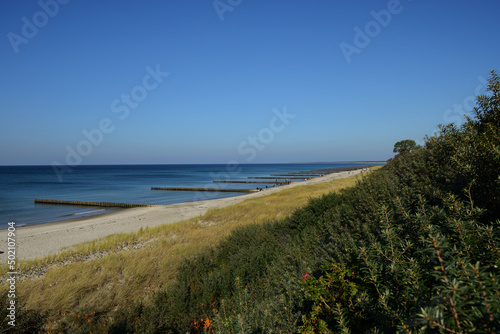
(404,146)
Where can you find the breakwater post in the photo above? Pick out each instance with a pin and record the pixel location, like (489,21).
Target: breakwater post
(99,204)
(206,189)
(272,182)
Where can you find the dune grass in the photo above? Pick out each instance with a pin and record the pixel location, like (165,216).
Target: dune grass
(111,272)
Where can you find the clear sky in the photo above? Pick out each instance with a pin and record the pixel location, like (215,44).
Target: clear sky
(251,81)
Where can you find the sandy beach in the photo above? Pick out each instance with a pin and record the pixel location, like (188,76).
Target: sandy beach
(49,238)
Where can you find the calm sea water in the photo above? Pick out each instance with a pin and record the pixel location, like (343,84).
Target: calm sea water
(20,185)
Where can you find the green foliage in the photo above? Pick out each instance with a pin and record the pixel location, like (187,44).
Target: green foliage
(421,269)
(404,146)
(240,313)
(334,296)
(80,322)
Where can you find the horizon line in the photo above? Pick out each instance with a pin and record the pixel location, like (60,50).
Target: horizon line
(171,164)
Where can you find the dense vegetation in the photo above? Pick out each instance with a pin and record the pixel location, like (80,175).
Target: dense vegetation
(414,247)
(404,146)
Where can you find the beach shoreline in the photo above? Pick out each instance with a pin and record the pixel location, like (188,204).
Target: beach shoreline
(40,240)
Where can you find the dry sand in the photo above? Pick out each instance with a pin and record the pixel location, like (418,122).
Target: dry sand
(44,239)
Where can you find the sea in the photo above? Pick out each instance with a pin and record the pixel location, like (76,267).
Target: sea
(20,185)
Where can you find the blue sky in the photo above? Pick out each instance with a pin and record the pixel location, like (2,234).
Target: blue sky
(85,82)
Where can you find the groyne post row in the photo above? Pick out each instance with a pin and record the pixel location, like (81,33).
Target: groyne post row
(284,177)
(289,178)
(99,204)
(303,174)
(206,189)
(237,181)
(298,176)
(337,169)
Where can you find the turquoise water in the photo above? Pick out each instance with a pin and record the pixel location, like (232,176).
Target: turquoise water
(20,185)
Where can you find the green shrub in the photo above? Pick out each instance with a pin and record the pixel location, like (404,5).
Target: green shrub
(334,300)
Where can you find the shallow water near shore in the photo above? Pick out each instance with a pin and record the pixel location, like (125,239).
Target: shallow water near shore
(20,185)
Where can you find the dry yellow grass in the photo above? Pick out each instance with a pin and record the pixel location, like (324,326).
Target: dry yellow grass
(121,274)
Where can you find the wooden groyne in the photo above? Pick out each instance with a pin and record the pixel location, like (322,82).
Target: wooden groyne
(300,174)
(318,172)
(206,189)
(295,176)
(337,169)
(272,182)
(279,177)
(99,204)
